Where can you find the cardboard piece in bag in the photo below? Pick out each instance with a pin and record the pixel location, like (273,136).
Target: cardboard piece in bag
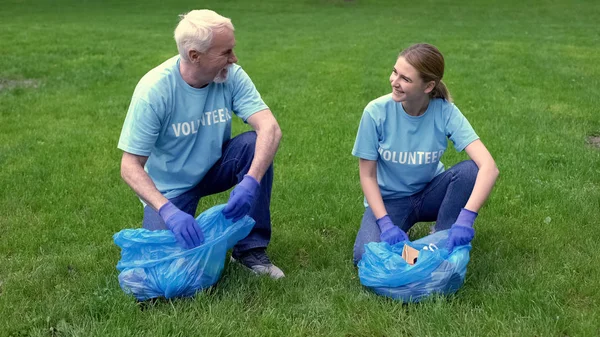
(409,254)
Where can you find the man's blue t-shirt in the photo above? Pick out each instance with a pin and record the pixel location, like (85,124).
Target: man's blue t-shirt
(408,148)
(182,129)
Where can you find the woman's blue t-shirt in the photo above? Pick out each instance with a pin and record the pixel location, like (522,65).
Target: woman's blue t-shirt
(408,148)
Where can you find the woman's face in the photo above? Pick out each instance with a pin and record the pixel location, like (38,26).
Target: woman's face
(406,82)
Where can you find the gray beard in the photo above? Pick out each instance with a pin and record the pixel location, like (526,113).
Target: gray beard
(222,76)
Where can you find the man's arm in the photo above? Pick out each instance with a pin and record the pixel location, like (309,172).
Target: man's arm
(268,135)
(183,225)
(132,171)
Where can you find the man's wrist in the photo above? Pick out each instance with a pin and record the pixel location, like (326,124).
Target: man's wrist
(167,210)
(250,184)
(251,178)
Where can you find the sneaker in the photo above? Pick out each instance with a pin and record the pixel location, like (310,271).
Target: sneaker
(257,260)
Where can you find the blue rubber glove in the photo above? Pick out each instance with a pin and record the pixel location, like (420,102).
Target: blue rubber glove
(184,226)
(390,233)
(241,198)
(462,232)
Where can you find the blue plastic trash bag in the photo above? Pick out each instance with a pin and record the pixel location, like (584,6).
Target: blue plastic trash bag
(153,264)
(383,270)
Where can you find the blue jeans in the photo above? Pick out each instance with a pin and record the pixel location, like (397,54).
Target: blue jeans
(441,200)
(227,172)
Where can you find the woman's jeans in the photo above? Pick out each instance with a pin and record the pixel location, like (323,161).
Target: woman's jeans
(227,172)
(441,200)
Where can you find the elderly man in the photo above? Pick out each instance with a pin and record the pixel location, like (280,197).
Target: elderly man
(177,144)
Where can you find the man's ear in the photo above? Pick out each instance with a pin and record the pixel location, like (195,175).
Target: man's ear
(429,87)
(194,56)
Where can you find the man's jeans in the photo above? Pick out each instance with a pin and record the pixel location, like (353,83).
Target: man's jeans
(441,200)
(227,172)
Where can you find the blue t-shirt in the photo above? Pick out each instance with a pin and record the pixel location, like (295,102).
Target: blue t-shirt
(182,129)
(408,148)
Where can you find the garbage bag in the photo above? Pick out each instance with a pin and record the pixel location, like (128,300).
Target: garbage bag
(152,264)
(383,270)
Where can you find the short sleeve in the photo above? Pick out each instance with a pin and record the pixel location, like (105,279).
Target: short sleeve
(367,139)
(459,130)
(141,128)
(246,99)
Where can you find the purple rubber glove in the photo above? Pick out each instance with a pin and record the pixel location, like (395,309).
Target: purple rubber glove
(241,198)
(462,232)
(390,233)
(184,226)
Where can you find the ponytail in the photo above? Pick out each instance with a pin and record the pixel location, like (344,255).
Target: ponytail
(440,91)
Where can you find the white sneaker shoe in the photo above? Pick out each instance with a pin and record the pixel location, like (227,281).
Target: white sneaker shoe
(258,262)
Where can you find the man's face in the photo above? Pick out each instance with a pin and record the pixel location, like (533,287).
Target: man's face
(219,56)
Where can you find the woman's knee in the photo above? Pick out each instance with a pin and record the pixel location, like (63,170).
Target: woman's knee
(359,246)
(467,170)
(368,232)
(357,255)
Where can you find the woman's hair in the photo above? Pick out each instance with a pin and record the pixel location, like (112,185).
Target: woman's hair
(195,30)
(429,62)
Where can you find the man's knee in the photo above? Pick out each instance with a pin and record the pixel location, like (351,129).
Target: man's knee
(247,139)
(152,221)
(243,146)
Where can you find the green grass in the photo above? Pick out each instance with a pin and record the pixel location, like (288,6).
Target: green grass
(525,74)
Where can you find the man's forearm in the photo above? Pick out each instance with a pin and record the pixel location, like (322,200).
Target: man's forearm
(267,143)
(139,181)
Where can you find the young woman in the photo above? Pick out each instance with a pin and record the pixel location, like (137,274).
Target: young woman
(400,141)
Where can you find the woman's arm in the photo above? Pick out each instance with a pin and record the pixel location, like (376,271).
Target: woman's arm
(368,181)
(486,178)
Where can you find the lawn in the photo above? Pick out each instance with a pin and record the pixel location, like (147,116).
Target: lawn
(525,74)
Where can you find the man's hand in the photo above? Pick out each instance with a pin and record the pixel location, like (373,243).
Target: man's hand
(241,198)
(462,232)
(184,226)
(390,233)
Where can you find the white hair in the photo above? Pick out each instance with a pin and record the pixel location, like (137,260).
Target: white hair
(195,30)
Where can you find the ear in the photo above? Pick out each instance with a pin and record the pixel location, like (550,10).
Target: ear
(429,87)
(194,56)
